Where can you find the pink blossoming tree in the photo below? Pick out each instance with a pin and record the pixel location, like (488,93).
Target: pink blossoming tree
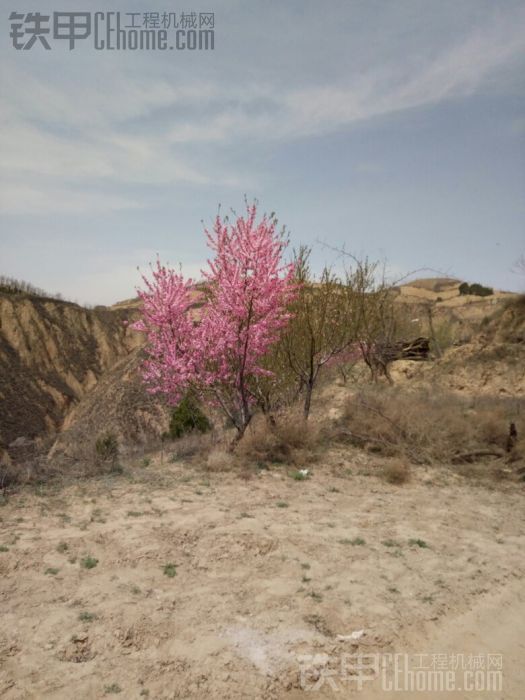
(247,290)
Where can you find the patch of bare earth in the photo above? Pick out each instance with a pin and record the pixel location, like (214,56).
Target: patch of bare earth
(263,571)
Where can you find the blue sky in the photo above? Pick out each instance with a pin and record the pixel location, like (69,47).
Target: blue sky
(394,128)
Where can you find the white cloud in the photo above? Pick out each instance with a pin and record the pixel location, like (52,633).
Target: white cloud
(38,201)
(128,129)
(457,70)
(106,98)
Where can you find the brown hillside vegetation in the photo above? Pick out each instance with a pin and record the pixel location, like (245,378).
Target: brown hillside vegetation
(492,362)
(118,404)
(52,353)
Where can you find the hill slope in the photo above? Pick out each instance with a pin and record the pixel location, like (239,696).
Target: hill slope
(51,353)
(119,404)
(72,371)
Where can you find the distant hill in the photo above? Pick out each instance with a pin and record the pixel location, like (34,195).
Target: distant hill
(448,291)
(434,284)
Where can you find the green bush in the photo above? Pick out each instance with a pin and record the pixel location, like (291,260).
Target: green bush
(106,448)
(476,289)
(480,291)
(187,417)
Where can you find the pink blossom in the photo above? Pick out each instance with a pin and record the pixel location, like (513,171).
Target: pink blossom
(247,292)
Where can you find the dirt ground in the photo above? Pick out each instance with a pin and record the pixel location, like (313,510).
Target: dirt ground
(265,573)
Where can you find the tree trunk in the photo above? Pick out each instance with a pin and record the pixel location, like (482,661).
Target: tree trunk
(241,429)
(437,346)
(308,399)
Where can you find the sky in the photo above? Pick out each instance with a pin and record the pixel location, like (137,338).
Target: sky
(394,129)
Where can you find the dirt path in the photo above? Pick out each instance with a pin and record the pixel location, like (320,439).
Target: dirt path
(495,625)
(265,572)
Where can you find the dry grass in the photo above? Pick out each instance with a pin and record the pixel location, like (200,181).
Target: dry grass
(220,460)
(429,426)
(406,426)
(508,323)
(396,472)
(289,440)
(37,470)
(193,445)
(11,474)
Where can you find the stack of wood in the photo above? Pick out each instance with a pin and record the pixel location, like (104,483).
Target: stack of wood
(378,356)
(417,349)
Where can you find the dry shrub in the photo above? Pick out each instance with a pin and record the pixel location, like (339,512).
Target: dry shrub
(38,471)
(483,472)
(508,322)
(27,465)
(428,425)
(286,440)
(106,448)
(396,472)
(192,445)
(492,423)
(13,475)
(220,460)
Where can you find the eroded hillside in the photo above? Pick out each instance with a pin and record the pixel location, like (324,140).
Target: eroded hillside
(119,404)
(51,353)
(491,362)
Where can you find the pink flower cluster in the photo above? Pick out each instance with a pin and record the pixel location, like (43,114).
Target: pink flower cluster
(246,293)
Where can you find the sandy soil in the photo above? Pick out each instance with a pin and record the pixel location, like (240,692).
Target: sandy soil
(268,571)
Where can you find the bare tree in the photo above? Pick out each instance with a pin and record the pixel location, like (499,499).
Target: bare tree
(321,327)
